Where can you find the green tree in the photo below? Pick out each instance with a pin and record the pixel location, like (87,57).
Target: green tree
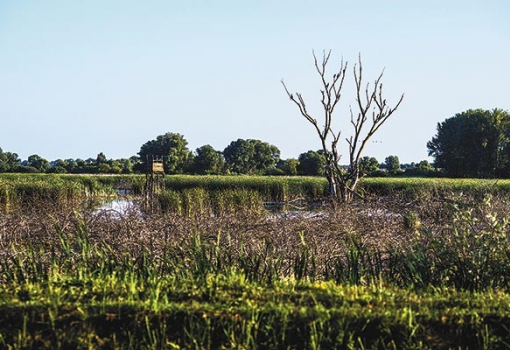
(289,166)
(127,166)
(8,161)
(422,169)
(57,169)
(101,159)
(424,165)
(58,166)
(25,169)
(474,143)
(115,166)
(59,162)
(368,165)
(208,161)
(37,162)
(251,156)
(311,163)
(104,168)
(172,148)
(392,165)
(71,165)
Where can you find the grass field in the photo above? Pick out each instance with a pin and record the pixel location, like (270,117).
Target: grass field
(419,264)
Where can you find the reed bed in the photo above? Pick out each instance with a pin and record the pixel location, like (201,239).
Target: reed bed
(279,189)
(285,188)
(197,201)
(414,188)
(386,273)
(270,188)
(18,191)
(18,188)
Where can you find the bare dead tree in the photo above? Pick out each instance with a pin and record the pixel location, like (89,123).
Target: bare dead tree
(373,112)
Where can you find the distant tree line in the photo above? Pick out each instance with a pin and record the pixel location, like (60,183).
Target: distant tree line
(10,163)
(252,157)
(474,143)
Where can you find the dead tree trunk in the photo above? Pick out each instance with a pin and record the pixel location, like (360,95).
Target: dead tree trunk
(372,112)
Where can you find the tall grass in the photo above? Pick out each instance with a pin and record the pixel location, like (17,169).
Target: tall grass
(198,201)
(16,189)
(414,188)
(270,188)
(19,188)
(32,189)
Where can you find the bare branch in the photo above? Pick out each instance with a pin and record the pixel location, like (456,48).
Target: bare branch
(369,102)
(302,108)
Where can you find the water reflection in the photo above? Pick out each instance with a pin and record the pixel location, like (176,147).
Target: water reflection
(118,208)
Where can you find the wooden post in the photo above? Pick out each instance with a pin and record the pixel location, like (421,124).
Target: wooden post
(154,176)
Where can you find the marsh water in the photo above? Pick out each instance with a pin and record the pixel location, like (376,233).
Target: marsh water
(126,204)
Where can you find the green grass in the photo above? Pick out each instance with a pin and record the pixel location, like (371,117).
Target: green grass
(132,311)
(418,187)
(270,188)
(197,201)
(23,188)
(19,190)
(16,188)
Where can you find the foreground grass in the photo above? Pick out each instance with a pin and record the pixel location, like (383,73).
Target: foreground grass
(131,311)
(75,279)
(385,273)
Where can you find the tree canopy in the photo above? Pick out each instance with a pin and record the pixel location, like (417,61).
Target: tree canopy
(251,156)
(8,161)
(288,166)
(172,148)
(208,161)
(311,163)
(474,143)
(368,165)
(392,165)
(37,162)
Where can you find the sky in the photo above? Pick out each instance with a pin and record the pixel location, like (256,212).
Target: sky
(82,77)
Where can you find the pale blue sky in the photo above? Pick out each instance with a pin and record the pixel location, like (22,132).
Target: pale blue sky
(82,77)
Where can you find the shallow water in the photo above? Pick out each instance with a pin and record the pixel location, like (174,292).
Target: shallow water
(124,206)
(298,214)
(118,207)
